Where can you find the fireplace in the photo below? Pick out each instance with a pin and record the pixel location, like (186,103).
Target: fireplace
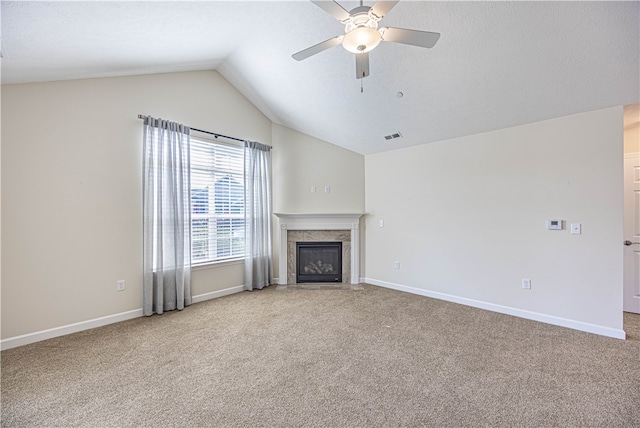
(319,228)
(318,262)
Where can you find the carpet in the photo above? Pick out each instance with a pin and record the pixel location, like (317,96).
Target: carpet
(320,286)
(373,358)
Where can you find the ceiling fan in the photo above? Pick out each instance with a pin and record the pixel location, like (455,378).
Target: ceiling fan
(362,33)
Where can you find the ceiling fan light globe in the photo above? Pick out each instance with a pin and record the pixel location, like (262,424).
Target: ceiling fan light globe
(361,40)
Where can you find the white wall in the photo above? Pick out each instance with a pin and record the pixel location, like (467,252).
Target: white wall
(71,190)
(466,218)
(300,162)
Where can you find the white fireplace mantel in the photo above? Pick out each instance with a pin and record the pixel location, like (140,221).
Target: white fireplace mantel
(333,221)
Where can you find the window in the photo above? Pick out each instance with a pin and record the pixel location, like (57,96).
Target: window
(217,201)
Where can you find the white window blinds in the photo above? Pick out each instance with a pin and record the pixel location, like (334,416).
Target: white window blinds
(217,201)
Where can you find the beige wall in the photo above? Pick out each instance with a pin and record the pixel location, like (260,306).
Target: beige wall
(632,139)
(0,211)
(71,190)
(300,162)
(467,217)
(464,217)
(72,193)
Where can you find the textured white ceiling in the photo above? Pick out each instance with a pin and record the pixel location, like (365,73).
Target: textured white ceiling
(496,65)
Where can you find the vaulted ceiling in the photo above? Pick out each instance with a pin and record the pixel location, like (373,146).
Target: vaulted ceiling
(496,65)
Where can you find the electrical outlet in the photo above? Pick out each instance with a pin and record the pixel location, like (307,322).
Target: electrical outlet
(120,285)
(526,284)
(396,265)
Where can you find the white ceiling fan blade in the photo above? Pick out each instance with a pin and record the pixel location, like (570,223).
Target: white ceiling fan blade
(306,53)
(381,8)
(362,65)
(423,39)
(333,9)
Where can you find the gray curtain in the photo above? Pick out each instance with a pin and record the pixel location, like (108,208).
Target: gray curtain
(167,216)
(258,264)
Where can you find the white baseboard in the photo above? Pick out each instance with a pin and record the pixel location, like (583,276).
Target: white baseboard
(25,339)
(215,294)
(535,316)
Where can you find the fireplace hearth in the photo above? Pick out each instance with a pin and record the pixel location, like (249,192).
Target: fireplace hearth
(318,262)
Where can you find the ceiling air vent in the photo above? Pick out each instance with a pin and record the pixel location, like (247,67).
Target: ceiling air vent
(393,136)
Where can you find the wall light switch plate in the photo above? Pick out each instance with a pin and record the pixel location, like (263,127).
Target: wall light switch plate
(327,189)
(313,189)
(576,229)
(526,284)
(381,223)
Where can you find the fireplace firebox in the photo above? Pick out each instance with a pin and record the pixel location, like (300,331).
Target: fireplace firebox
(318,262)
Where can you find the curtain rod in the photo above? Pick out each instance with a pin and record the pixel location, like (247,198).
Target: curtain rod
(216,135)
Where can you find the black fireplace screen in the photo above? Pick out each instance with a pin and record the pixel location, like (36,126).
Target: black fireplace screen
(318,262)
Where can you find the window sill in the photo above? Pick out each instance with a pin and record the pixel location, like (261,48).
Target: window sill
(220,263)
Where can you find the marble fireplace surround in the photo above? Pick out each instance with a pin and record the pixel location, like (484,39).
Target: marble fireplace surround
(307,227)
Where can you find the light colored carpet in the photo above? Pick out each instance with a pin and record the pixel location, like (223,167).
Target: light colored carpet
(632,326)
(325,358)
(320,286)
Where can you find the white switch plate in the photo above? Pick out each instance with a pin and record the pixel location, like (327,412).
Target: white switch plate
(327,189)
(526,284)
(381,223)
(313,189)
(576,229)
(120,285)
(396,265)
